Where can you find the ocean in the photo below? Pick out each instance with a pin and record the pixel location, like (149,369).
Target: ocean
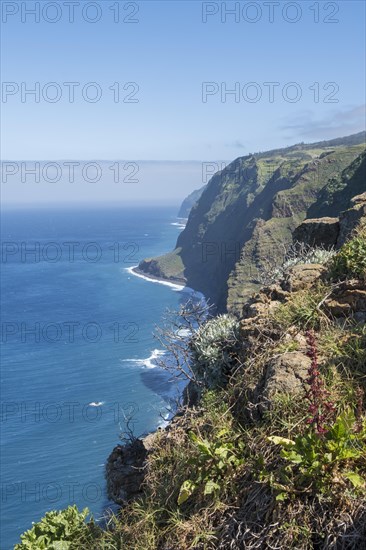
(78,352)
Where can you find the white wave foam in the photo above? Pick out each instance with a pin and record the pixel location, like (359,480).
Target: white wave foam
(165,420)
(180,225)
(150,362)
(177,288)
(173,286)
(96,403)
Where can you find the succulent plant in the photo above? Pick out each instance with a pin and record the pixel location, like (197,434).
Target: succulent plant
(213,350)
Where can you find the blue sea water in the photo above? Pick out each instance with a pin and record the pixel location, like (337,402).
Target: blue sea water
(77,352)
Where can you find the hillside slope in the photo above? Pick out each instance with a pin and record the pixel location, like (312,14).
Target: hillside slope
(249,210)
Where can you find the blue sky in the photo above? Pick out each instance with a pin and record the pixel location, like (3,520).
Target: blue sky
(169,53)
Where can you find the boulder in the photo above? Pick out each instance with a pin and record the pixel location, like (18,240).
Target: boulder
(318,232)
(264,302)
(284,374)
(302,276)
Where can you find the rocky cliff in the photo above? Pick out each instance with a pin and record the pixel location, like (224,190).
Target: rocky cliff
(271,453)
(189,202)
(248,212)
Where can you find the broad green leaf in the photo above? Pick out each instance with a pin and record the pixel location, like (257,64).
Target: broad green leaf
(186,491)
(355,479)
(348,453)
(292,455)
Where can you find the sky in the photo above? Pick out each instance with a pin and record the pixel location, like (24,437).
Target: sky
(177,80)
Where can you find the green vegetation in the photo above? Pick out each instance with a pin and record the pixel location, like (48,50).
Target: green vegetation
(351,259)
(189,202)
(303,309)
(214,350)
(62,530)
(228,474)
(336,195)
(319,463)
(215,465)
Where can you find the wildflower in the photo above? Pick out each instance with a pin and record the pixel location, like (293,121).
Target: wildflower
(321,409)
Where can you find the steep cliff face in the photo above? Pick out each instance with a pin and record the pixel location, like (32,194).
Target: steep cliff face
(289,207)
(339,191)
(248,211)
(189,202)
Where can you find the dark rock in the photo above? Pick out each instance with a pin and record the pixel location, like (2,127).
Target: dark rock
(125,471)
(318,232)
(191,394)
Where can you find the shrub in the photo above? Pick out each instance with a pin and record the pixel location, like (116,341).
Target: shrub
(215,464)
(318,462)
(57,530)
(350,260)
(214,347)
(303,309)
(328,451)
(274,269)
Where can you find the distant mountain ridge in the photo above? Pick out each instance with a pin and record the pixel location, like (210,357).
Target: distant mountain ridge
(248,211)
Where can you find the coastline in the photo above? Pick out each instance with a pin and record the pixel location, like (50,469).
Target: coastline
(179,285)
(124,468)
(176,284)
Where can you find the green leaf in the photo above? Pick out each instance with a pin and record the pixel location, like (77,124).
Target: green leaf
(277,440)
(281,496)
(343,424)
(211,487)
(348,453)
(193,437)
(293,456)
(186,491)
(355,479)
(222,452)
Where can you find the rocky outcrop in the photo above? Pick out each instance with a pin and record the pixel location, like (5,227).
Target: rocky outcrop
(348,299)
(153,268)
(349,219)
(332,232)
(284,374)
(318,232)
(191,394)
(125,471)
(302,276)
